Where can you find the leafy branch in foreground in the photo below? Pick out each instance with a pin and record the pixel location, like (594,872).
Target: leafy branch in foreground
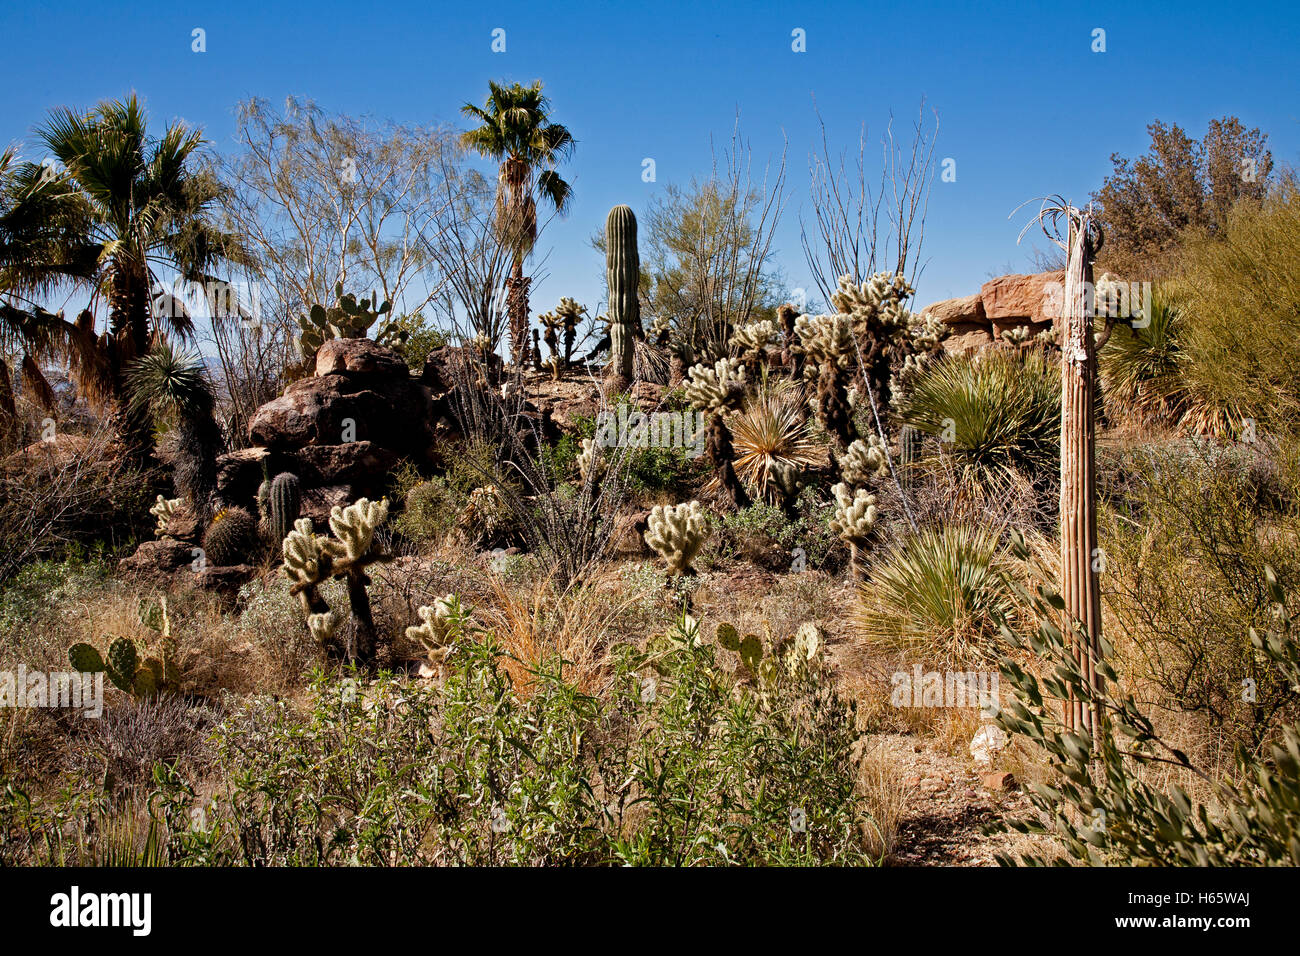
(1101,809)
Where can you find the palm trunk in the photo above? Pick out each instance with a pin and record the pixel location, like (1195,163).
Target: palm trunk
(1080,588)
(128,301)
(517,307)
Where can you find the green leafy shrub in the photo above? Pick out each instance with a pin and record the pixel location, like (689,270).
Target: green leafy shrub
(677,763)
(1100,806)
(1241,293)
(1185,550)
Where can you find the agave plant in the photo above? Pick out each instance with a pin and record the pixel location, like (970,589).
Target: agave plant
(998,413)
(768,435)
(940,592)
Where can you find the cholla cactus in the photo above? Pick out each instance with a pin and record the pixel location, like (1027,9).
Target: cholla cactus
(303,554)
(354,527)
(823,339)
(309,559)
(562,322)
(714,389)
(486,511)
(853,520)
(162,510)
(322,627)
(440,623)
(591,464)
(864,461)
(676,533)
(752,339)
(1019,336)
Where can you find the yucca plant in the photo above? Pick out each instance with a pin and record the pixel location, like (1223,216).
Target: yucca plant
(770,434)
(941,593)
(174,388)
(1141,368)
(997,413)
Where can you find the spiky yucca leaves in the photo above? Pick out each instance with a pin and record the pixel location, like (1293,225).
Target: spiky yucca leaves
(769,437)
(1144,371)
(173,386)
(231,538)
(997,413)
(940,593)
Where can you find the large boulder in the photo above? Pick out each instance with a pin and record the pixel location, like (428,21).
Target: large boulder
(362,391)
(1035,297)
(963,310)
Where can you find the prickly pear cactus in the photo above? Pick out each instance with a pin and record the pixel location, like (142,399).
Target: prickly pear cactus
(676,533)
(346,319)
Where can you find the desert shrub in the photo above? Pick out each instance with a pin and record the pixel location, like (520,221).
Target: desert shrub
(770,432)
(1142,368)
(939,592)
(74,491)
(679,762)
(1100,805)
(766,535)
(1242,299)
(1185,554)
(997,413)
(44,587)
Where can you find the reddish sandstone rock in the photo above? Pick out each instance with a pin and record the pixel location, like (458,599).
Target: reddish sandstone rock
(1035,297)
(963,310)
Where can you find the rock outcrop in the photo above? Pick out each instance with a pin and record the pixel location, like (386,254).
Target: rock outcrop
(1002,304)
(340,431)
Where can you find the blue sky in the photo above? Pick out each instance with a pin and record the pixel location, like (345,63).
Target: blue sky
(1025,107)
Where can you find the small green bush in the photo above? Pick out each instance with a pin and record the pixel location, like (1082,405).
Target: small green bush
(679,763)
(1101,807)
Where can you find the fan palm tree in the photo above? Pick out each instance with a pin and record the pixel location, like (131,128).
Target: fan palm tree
(39,251)
(516,131)
(122,205)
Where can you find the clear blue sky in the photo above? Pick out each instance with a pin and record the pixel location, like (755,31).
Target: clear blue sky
(1025,107)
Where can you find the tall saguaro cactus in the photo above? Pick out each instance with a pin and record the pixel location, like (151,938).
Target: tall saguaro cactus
(1080,587)
(622,270)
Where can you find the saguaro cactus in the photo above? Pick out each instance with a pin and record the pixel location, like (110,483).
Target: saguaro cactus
(1080,588)
(1079,585)
(622,270)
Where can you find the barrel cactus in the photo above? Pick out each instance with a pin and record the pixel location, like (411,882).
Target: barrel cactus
(231,538)
(623,271)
